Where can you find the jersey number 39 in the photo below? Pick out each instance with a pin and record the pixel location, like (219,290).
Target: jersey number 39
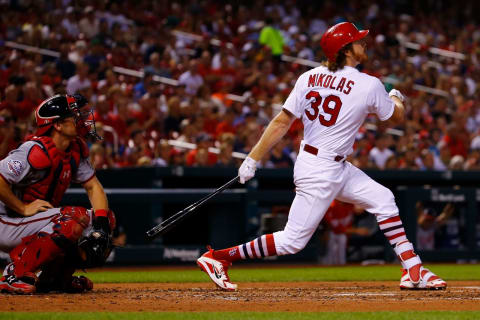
(331,105)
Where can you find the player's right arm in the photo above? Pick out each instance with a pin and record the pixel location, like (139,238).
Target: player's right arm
(275,131)
(12,202)
(13,169)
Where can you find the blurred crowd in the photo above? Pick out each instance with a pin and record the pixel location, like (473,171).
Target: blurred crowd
(138,116)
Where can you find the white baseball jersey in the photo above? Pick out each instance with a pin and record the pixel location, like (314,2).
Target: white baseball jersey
(333,106)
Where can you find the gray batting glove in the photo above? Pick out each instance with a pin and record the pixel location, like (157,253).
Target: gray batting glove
(396,93)
(247,170)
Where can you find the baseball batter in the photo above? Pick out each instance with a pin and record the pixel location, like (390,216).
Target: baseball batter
(333,101)
(46,242)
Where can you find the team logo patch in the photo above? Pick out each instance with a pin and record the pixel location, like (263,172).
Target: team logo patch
(15,167)
(232,252)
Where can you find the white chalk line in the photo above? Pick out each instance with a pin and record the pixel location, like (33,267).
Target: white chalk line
(364,294)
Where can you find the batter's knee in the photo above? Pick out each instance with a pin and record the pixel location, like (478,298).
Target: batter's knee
(69,225)
(385,206)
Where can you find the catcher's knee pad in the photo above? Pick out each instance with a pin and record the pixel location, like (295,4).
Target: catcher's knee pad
(69,225)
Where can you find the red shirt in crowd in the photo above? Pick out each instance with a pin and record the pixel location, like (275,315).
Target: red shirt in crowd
(339,217)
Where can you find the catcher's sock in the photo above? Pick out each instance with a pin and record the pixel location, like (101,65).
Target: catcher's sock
(263,246)
(393,230)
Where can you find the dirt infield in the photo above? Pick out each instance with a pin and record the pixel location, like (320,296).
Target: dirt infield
(272,296)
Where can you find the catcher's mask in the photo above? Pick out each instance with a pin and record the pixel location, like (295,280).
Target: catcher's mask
(60,107)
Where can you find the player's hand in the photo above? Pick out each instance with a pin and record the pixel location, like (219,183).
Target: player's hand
(247,170)
(35,207)
(396,93)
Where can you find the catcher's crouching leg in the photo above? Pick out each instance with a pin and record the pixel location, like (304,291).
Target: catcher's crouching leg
(58,276)
(38,250)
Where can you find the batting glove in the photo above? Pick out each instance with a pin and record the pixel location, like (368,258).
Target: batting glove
(247,170)
(396,93)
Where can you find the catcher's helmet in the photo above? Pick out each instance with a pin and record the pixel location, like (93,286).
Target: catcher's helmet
(60,107)
(339,36)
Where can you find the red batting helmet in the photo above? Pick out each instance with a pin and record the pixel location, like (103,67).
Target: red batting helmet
(339,36)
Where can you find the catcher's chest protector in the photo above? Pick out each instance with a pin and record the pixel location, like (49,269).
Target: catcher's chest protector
(60,167)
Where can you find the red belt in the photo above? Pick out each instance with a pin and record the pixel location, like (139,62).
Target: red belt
(311,149)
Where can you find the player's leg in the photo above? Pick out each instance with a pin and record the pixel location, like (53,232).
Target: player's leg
(365,192)
(57,275)
(316,187)
(43,246)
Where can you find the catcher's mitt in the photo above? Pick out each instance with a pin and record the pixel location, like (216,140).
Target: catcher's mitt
(96,246)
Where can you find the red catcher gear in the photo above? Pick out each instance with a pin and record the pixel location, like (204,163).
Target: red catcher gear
(41,248)
(339,36)
(59,107)
(60,167)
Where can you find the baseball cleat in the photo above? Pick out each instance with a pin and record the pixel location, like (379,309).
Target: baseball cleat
(12,284)
(428,281)
(217,270)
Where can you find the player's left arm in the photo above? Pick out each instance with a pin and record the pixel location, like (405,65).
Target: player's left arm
(96,194)
(387,106)
(398,115)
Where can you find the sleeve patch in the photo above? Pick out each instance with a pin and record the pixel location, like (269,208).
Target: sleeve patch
(38,159)
(15,167)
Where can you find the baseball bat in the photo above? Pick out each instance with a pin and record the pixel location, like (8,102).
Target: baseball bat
(171,222)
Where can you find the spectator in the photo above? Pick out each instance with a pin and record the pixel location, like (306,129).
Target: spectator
(227,124)
(206,158)
(64,65)
(380,153)
(173,119)
(141,87)
(162,154)
(115,34)
(156,68)
(428,221)
(225,158)
(456,163)
(7,135)
(70,23)
(191,78)
(89,24)
(80,81)
(271,37)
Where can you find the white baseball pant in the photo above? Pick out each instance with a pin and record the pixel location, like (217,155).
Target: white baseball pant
(319,180)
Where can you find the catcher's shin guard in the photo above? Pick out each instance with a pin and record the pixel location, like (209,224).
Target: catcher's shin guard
(39,249)
(34,251)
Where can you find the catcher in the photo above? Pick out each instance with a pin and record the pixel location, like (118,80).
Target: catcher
(47,243)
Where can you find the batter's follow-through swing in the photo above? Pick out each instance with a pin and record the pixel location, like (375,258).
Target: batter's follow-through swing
(171,222)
